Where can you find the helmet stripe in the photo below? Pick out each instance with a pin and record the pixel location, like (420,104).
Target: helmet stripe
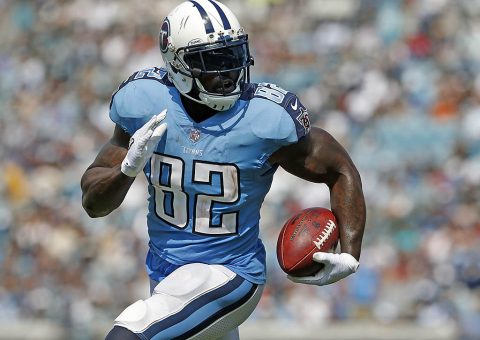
(206,19)
(226,23)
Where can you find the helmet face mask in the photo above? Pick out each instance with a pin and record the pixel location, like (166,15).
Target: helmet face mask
(214,57)
(227,60)
(207,64)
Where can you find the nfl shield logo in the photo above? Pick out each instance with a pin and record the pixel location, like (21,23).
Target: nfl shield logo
(194,135)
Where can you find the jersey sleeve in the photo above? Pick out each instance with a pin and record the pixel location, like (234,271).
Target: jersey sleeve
(137,99)
(118,116)
(298,113)
(284,118)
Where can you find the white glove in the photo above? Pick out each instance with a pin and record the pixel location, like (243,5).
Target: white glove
(337,267)
(142,144)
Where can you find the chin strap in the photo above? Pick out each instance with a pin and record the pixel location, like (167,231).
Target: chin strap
(209,104)
(219,103)
(204,99)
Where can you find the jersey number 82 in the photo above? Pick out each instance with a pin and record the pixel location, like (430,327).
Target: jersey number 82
(172,202)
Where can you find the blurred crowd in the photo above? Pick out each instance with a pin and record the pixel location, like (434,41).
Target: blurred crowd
(396,82)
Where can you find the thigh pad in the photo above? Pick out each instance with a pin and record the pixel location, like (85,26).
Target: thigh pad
(172,294)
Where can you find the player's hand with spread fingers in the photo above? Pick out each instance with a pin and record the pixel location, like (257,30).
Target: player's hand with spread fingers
(143,143)
(336,267)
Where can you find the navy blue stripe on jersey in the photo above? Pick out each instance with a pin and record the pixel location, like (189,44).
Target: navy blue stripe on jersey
(225,22)
(154,73)
(299,114)
(221,313)
(206,19)
(193,306)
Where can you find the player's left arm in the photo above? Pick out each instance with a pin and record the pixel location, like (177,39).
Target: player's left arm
(319,158)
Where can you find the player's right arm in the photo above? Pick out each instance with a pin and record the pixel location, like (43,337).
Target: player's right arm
(104,185)
(106,182)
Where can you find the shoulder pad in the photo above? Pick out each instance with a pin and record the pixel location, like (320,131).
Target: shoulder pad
(287,100)
(154,73)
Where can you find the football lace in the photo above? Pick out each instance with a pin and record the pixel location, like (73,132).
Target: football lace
(327,232)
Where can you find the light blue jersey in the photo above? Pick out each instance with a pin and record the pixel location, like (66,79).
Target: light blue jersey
(207,180)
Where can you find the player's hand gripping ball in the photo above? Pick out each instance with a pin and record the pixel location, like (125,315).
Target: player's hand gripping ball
(311,230)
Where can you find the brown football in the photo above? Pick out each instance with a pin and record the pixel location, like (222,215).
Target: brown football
(309,231)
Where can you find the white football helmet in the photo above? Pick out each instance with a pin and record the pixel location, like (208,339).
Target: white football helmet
(203,37)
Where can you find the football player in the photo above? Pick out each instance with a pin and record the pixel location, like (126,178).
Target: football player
(209,142)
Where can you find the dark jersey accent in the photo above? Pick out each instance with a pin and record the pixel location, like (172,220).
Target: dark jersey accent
(299,114)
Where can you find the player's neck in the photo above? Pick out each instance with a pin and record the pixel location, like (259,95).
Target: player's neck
(198,112)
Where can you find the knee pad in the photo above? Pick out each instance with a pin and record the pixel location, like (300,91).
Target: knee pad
(138,316)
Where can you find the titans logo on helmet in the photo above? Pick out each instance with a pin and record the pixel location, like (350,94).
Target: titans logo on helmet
(164,34)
